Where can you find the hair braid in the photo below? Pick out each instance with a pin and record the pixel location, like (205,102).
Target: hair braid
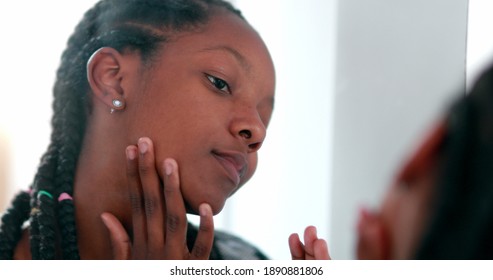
(71,139)
(11,227)
(66,214)
(47,227)
(42,227)
(34,235)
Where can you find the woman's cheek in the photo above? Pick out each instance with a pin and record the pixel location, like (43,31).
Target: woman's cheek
(252,167)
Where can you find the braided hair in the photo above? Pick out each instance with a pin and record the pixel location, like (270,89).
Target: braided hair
(462,224)
(137,25)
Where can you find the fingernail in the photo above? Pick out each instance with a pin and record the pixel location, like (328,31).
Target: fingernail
(204,209)
(130,153)
(311,228)
(143,146)
(168,167)
(104,219)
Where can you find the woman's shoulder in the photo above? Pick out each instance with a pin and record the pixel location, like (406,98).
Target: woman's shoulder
(227,246)
(232,247)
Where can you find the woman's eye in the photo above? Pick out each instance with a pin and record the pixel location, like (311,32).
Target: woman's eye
(219,84)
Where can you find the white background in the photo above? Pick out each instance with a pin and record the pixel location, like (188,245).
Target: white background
(323,155)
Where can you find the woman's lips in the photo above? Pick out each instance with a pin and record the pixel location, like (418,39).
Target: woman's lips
(234,163)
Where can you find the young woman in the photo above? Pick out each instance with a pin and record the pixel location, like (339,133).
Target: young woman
(194,77)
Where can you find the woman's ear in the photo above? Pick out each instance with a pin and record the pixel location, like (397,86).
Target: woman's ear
(104,75)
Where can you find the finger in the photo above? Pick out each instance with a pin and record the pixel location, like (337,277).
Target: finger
(120,242)
(321,250)
(203,244)
(136,197)
(296,247)
(153,198)
(372,239)
(368,246)
(309,238)
(176,220)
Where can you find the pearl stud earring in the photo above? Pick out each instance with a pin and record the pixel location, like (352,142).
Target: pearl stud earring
(117,103)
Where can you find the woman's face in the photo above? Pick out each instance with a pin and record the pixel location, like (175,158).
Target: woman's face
(206,102)
(396,230)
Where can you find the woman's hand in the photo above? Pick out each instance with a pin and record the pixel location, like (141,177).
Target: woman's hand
(159,222)
(313,249)
(373,241)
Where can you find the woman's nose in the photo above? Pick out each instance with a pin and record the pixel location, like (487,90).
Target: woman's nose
(250,129)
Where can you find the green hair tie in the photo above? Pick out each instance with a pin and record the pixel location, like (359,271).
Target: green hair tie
(40,193)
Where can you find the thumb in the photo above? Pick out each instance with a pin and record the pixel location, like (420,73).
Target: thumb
(373,242)
(120,242)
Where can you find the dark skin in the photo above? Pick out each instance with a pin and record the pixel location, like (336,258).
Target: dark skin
(205,102)
(160,226)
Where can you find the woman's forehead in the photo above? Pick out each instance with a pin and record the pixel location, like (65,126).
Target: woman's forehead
(227,35)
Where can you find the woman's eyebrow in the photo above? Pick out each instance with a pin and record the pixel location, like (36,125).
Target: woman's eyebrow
(236,54)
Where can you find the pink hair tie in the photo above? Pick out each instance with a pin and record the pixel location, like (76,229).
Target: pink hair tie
(64,196)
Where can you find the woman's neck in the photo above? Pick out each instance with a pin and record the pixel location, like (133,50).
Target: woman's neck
(100,186)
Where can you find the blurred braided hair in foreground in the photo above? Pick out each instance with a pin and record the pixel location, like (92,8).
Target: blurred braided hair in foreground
(136,25)
(462,223)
